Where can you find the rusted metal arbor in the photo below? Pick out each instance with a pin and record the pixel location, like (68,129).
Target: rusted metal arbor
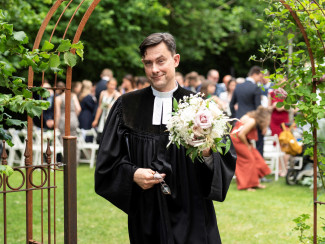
(49,169)
(315,81)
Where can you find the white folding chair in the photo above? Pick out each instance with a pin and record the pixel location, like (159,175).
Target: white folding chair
(49,134)
(273,155)
(87,149)
(16,152)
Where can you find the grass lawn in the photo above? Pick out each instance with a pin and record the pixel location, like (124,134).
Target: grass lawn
(264,216)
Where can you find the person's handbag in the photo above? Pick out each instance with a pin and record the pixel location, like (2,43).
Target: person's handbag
(288,142)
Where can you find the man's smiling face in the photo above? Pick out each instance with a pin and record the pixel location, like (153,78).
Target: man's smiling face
(159,65)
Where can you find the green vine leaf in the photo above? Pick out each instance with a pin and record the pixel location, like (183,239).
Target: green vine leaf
(27,93)
(70,59)
(16,122)
(64,46)
(33,110)
(47,46)
(20,36)
(54,61)
(80,53)
(290,36)
(77,45)
(7,170)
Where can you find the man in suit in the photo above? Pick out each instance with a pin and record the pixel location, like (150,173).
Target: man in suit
(248,97)
(105,76)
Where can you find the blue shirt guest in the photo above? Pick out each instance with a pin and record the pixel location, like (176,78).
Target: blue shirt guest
(133,153)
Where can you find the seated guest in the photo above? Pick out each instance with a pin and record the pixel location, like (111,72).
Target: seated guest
(250,165)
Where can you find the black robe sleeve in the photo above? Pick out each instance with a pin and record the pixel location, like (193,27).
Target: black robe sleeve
(114,171)
(214,184)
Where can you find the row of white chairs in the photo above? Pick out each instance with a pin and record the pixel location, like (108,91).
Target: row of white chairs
(86,151)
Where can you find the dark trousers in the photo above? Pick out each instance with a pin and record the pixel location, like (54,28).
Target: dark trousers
(260,141)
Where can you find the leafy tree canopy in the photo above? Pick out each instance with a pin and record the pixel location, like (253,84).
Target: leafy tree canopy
(210,34)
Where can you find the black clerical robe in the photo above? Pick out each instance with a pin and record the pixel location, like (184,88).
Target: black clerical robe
(129,142)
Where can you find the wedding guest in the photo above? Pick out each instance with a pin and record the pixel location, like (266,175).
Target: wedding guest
(60,113)
(201,79)
(106,100)
(133,153)
(225,97)
(48,114)
(105,76)
(266,86)
(248,97)
(214,76)
(142,82)
(250,166)
(278,116)
(60,88)
(128,84)
(222,87)
(179,78)
(192,79)
(208,88)
(76,87)
(88,106)
(240,80)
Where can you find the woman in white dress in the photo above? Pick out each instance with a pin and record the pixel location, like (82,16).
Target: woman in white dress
(106,101)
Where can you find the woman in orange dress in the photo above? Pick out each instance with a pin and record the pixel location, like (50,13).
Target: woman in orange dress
(250,166)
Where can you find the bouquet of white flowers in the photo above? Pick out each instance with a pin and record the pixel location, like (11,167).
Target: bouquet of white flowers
(198,124)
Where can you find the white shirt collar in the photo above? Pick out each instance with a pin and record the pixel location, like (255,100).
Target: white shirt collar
(251,80)
(163,106)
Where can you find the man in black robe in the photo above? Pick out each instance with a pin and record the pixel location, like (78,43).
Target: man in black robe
(133,148)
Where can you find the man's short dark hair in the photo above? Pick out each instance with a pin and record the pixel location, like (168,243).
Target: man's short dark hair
(255,70)
(155,39)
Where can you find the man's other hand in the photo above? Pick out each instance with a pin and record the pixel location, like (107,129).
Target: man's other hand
(145,178)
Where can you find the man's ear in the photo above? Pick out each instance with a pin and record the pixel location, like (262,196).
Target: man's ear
(177,58)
